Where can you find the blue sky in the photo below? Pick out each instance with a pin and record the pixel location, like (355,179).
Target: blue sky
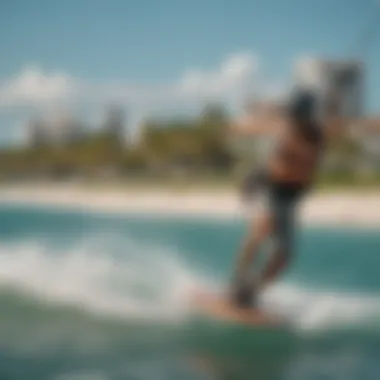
(150,46)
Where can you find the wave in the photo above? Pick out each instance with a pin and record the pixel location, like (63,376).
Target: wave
(150,282)
(314,309)
(142,282)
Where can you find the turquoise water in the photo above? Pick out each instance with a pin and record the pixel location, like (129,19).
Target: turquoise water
(91,296)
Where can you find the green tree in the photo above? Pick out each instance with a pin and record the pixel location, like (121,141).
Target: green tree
(214,116)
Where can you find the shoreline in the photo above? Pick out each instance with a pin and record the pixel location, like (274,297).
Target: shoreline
(342,209)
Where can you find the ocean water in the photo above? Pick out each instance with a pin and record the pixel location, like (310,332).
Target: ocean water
(91,296)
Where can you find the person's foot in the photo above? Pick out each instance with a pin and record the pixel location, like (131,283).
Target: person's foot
(243,293)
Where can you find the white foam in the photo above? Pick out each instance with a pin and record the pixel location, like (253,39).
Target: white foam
(90,277)
(152,282)
(312,309)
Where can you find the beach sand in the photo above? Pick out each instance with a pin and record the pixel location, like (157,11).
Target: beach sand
(344,208)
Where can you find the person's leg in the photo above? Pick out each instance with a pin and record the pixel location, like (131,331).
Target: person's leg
(258,232)
(243,287)
(276,265)
(253,183)
(283,230)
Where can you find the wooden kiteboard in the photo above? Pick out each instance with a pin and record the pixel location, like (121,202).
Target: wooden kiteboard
(218,307)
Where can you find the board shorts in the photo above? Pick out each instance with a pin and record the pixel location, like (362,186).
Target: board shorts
(282,205)
(281,201)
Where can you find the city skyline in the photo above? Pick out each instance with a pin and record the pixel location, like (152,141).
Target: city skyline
(169,58)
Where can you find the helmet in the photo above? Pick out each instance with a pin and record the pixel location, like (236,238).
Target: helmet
(303,106)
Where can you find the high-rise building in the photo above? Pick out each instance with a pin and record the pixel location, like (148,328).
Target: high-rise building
(37,133)
(335,81)
(114,123)
(56,128)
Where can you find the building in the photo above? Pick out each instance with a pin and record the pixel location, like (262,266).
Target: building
(114,124)
(36,135)
(366,132)
(357,152)
(55,129)
(334,80)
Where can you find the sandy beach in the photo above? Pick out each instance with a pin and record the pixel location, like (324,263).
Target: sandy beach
(345,208)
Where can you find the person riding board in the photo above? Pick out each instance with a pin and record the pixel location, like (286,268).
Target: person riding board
(285,179)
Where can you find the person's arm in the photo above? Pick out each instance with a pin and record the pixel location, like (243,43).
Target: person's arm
(334,129)
(277,167)
(252,183)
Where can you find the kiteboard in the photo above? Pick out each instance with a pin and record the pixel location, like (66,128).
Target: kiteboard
(218,307)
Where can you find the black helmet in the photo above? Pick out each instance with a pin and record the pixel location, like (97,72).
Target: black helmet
(303,106)
(303,110)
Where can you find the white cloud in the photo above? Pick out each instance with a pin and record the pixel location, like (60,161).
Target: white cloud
(34,87)
(308,72)
(232,75)
(34,91)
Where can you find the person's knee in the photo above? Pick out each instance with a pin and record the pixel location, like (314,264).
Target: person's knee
(264,227)
(283,254)
(283,242)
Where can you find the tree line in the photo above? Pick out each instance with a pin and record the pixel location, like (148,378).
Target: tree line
(192,146)
(165,147)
